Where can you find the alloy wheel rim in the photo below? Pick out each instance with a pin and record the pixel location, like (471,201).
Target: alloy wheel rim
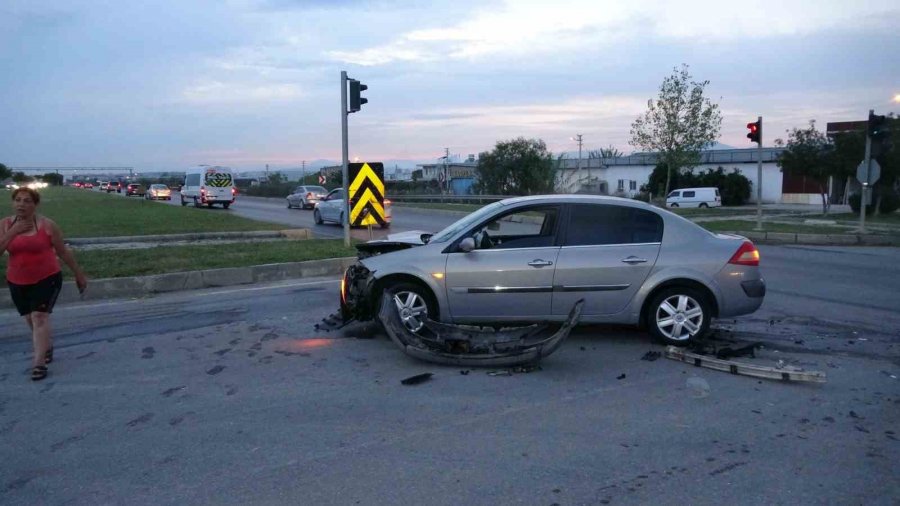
(679,317)
(412,310)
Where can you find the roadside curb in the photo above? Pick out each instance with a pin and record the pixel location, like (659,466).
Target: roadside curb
(142,286)
(820,239)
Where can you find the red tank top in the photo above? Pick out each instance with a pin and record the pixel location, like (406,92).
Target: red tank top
(31,258)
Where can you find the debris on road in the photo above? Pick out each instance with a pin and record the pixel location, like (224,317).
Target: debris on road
(786,373)
(418,378)
(650,356)
(621,376)
(472,346)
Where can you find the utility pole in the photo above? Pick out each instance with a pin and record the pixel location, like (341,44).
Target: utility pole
(267,173)
(446,180)
(578,138)
(303,172)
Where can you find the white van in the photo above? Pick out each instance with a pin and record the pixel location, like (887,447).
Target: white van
(208,185)
(694,197)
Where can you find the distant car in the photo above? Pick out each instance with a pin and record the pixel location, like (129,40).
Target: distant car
(77,184)
(306,197)
(331,208)
(531,259)
(104,185)
(113,186)
(158,192)
(135,189)
(87,184)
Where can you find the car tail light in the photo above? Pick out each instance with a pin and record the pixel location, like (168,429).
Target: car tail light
(309,194)
(344,288)
(233,191)
(747,254)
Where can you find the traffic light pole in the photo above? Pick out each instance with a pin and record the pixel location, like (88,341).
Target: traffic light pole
(759,177)
(865,184)
(346,160)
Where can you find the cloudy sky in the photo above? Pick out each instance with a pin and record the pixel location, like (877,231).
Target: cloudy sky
(166,84)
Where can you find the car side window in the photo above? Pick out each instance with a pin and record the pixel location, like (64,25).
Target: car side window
(531,227)
(597,224)
(674,194)
(689,194)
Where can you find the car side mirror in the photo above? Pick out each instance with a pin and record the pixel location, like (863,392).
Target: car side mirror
(467,244)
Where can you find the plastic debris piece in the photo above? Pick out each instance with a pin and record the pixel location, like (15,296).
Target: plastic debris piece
(698,387)
(418,378)
(621,376)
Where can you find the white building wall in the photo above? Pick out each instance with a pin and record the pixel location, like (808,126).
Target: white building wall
(772,178)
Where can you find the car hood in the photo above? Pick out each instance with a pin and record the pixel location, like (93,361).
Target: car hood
(394,242)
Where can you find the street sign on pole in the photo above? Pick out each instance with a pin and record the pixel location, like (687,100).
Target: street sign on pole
(870,176)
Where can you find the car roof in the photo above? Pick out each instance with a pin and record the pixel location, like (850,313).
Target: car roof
(577,199)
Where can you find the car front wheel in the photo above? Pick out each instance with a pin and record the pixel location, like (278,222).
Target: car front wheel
(317,217)
(413,303)
(679,316)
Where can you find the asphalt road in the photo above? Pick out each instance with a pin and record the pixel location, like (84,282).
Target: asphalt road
(229,396)
(275,210)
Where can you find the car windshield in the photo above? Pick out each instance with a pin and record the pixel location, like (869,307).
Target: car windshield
(465,222)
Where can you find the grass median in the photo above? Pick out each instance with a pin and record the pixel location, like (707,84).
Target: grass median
(791,228)
(162,259)
(87,213)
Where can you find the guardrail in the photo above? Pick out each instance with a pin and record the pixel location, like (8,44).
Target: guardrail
(449,199)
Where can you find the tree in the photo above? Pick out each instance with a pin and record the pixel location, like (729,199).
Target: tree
(516,167)
(52,179)
(809,153)
(21,177)
(607,152)
(679,124)
(4,172)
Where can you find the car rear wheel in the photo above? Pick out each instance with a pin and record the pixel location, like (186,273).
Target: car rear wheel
(674,205)
(226,205)
(317,217)
(703,204)
(183,202)
(414,304)
(678,316)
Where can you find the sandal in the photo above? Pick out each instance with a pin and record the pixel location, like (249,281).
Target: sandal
(38,372)
(48,357)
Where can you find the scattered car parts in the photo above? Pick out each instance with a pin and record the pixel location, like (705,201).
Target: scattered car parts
(784,373)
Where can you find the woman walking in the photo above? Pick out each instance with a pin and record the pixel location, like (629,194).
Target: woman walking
(33,272)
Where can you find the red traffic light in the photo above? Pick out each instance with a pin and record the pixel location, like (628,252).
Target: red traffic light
(755,131)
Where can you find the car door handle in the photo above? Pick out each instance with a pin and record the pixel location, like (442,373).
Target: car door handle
(634,260)
(540,263)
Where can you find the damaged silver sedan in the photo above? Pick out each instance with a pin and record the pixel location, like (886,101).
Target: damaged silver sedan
(554,259)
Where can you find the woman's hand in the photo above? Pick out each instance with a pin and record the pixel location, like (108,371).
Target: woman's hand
(20,227)
(81,282)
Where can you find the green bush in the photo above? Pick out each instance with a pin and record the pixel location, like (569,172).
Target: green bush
(734,187)
(854,205)
(890,202)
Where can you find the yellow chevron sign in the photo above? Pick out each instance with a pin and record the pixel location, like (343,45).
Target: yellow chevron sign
(366,194)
